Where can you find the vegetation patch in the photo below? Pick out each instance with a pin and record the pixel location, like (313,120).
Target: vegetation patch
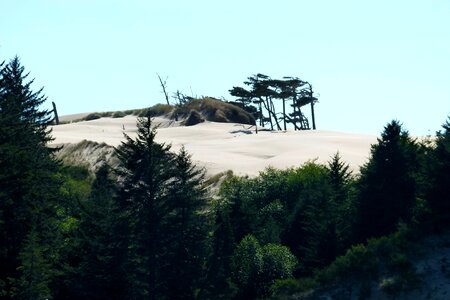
(194,118)
(118,114)
(93,116)
(215,110)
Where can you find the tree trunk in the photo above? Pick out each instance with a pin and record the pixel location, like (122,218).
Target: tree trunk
(269,110)
(312,116)
(274,115)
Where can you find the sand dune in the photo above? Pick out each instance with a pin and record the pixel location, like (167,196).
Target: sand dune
(228,146)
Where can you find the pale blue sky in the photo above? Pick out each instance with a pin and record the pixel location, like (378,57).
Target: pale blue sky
(370,61)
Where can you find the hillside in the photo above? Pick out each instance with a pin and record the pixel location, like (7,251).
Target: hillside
(397,267)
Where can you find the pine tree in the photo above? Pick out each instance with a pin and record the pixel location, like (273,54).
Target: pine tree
(387,187)
(340,176)
(99,274)
(35,271)
(164,204)
(146,171)
(188,227)
(438,191)
(311,231)
(28,188)
(218,270)
(341,206)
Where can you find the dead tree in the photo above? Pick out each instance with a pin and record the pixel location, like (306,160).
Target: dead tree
(55,112)
(164,85)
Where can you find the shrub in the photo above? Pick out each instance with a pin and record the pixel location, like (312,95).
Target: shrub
(159,110)
(118,114)
(255,269)
(284,288)
(215,110)
(219,116)
(93,116)
(194,118)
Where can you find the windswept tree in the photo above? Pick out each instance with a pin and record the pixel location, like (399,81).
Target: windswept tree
(28,187)
(265,92)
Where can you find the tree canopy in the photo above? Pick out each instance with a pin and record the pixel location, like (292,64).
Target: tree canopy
(263,91)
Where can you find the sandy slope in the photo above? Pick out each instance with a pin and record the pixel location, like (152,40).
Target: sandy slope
(223,146)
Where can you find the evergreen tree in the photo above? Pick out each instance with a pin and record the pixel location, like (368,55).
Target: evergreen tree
(387,187)
(340,176)
(218,265)
(162,200)
(311,232)
(35,270)
(145,171)
(187,229)
(438,191)
(341,205)
(99,274)
(28,188)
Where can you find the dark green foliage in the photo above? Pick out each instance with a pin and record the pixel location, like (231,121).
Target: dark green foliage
(263,91)
(188,227)
(342,204)
(365,264)
(245,265)
(387,186)
(277,262)
(255,269)
(163,205)
(438,190)
(28,187)
(150,231)
(340,177)
(246,206)
(93,116)
(311,233)
(98,275)
(35,270)
(222,246)
(146,171)
(248,108)
(257,205)
(118,114)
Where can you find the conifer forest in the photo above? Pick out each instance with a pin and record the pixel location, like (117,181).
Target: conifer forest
(149,228)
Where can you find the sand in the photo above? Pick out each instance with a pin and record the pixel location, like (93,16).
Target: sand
(227,146)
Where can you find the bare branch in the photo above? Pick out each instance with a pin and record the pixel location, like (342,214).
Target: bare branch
(164,85)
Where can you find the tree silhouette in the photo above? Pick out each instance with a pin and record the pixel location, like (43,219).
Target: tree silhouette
(187,229)
(146,171)
(163,202)
(264,91)
(28,187)
(438,191)
(387,187)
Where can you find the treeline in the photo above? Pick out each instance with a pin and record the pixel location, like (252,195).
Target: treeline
(149,230)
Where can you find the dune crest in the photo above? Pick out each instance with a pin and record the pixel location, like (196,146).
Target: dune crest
(229,146)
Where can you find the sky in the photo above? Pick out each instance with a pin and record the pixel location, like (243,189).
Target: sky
(369,61)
